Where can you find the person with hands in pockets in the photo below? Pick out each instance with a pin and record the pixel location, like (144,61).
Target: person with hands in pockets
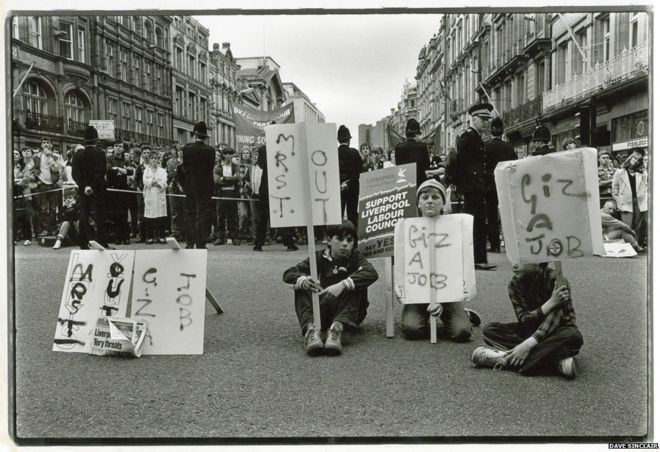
(344,277)
(546,338)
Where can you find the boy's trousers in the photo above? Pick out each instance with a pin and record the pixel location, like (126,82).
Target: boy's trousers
(562,343)
(350,309)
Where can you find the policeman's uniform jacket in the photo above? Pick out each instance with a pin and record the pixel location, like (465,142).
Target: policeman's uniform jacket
(496,151)
(198,163)
(350,167)
(466,170)
(411,151)
(88,168)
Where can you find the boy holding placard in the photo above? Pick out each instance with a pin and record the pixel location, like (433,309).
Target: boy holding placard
(546,335)
(344,276)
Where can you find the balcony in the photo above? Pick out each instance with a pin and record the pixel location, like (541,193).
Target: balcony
(76,128)
(141,138)
(525,112)
(46,123)
(628,65)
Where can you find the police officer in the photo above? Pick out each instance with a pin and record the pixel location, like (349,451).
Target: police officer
(413,151)
(496,151)
(198,162)
(350,167)
(466,171)
(541,141)
(88,169)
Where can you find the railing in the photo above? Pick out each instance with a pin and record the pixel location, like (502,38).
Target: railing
(524,112)
(38,121)
(140,138)
(76,128)
(628,64)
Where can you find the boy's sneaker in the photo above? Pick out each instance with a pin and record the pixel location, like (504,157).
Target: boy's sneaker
(58,244)
(473,317)
(27,243)
(229,241)
(568,368)
(313,342)
(333,342)
(487,357)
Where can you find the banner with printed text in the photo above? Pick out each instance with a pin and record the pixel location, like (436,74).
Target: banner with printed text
(303,170)
(250,123)
(386,196)
(549,206)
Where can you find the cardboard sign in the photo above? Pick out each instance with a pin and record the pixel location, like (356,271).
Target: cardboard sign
(618,249)
(169,293)
(434,259)
(549,206)
(386,196)
(303,162)
(97,284)
(105,128)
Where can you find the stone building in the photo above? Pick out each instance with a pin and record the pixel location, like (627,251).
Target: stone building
(225,91)
(304,109)
(260,77)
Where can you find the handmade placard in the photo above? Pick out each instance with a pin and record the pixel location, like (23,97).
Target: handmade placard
(97,283)
(434,259)
(386,196)
(303,162)
(169,289)
(549,206)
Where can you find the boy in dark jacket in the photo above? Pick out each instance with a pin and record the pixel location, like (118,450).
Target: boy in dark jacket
(546,335)
(344,277)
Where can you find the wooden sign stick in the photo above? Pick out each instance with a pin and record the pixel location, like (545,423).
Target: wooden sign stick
(172,242)
(560,274)
(433,324)
(389,297)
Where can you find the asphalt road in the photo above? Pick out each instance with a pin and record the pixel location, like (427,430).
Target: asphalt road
(255,381)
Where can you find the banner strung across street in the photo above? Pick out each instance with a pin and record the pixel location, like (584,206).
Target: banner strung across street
(303,162)
(250,123)
(549,206)
(433,259)
(168,292)
(386,196)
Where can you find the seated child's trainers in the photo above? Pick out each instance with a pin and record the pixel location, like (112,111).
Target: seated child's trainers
(333,342)
(568,368)
(487,357)
(313,342)
(473,317)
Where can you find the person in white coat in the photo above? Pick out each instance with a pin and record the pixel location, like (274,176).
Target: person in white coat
(154,179)
(630,191)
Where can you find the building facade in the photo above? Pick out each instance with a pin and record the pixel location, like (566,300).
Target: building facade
(262,86)
(304,109)
(191,89)
(225,91)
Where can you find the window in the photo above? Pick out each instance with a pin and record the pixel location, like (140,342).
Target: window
(35,32)
(158,87)
(520,90)
(66,41)
(147,76)
(14,28)
(159,37)
(123,57)
(126,116)
(540,77)
(621,40)
(178,62)
(633,34)
(562,62)
(74,109)
(81,44)
(179,100)
(161,125)
(203,109)
(602,39)
(191,66)
(578,62)
(192,106)
(150,123)
(135,74)
(112,109)
(138,119)
(202,73)
(35,98)
(109,58)
(148,32)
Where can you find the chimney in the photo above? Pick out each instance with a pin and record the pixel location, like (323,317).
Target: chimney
(216,47)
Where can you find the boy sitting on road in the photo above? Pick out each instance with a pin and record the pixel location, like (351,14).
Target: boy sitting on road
(545,338)
(344,277)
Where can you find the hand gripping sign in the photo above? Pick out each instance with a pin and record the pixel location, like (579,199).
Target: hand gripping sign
(434,259)
(549,206)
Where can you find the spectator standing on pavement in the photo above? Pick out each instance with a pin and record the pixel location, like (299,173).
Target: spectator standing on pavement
(436,168)
(605,175)
(226,176)
(568,144)
(154,181)
(344,276)
(365,152)
(350,166)
(630,190)
(175,180)
(24,183)
(413,151)
(431,199)
(497,151)
(198,160)
(144,159)
(47,169)
(614,229)
(89,170)
(259,189)
(545,338)
(375,159)
(540,142)
(244,221)
(117,177)
(466,171)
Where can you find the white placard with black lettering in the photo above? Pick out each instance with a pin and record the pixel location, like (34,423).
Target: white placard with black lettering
(97,283)
(169,289)
(434,259)
(295,152)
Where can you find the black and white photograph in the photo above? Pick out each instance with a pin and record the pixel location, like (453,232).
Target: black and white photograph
(329,225)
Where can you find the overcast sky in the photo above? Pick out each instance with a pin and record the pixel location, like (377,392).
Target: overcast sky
(353,67)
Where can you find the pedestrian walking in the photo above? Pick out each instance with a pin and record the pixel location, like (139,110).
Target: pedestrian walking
(497,151)
(344,276)
(350,167)
(413,151)
(466,172)
(198,160)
